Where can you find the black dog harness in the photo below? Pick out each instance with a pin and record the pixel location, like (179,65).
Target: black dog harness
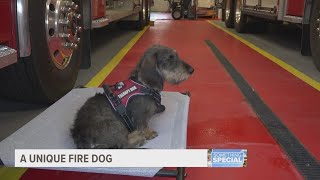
(120,95)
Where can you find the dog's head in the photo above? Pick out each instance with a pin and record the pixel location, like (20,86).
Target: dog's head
(160,63)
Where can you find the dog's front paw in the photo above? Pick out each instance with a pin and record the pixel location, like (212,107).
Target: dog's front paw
(149,134)
(141,142)
(136,139)
(152,135)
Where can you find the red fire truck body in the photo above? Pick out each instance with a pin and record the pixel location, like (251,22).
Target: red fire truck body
(44,43)
(304,13)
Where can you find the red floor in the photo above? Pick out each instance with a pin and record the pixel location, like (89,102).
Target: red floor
(219,116)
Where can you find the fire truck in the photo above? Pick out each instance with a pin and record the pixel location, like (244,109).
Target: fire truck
(44,43)
(304,13)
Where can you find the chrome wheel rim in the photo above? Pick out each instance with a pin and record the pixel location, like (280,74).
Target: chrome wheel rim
(63,30)
(149,10)
(238,11)
(318,28)
(144,10)
(227,10)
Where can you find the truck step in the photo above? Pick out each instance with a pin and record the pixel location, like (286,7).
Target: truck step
(114,15)
(7,56)
(97,23)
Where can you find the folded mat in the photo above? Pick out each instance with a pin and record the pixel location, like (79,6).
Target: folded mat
(51,130)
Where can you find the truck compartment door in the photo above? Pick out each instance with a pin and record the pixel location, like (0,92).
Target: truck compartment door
(269,3)
(98,9)
(295,7)
(7,27)
(251,2)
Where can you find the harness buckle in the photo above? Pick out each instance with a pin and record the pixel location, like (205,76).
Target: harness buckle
(119,85)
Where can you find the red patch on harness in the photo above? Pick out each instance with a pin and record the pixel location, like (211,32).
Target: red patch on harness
(126,89)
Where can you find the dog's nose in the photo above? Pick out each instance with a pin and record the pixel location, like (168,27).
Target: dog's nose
(190,70)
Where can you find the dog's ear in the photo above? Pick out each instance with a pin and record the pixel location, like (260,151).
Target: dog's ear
(149,74)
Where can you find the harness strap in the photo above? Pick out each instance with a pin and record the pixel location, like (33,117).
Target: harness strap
(155,94)
(152,92)
(118,106)
(115,96)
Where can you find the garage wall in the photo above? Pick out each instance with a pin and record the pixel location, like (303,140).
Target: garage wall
(163,6)
(206,3)
(160,6)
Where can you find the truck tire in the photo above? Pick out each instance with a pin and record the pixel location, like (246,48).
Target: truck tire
(240,19)
(229,11)
(148,12)
(47,74)
(176,13)
(140,24)
(223,18)
(223,9)
(315,33)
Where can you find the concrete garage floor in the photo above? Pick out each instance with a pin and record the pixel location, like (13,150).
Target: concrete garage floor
(107,42)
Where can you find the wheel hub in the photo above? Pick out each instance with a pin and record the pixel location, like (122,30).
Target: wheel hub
(63,30)
(177,14)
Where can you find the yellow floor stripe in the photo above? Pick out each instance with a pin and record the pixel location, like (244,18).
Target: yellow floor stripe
(315,84)
(98,79)
(11,173)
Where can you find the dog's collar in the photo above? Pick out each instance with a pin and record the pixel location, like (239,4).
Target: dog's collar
(119,94)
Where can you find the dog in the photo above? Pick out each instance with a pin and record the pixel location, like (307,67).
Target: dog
(98,126)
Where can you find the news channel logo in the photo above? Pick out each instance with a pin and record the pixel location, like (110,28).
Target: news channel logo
(227,158)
